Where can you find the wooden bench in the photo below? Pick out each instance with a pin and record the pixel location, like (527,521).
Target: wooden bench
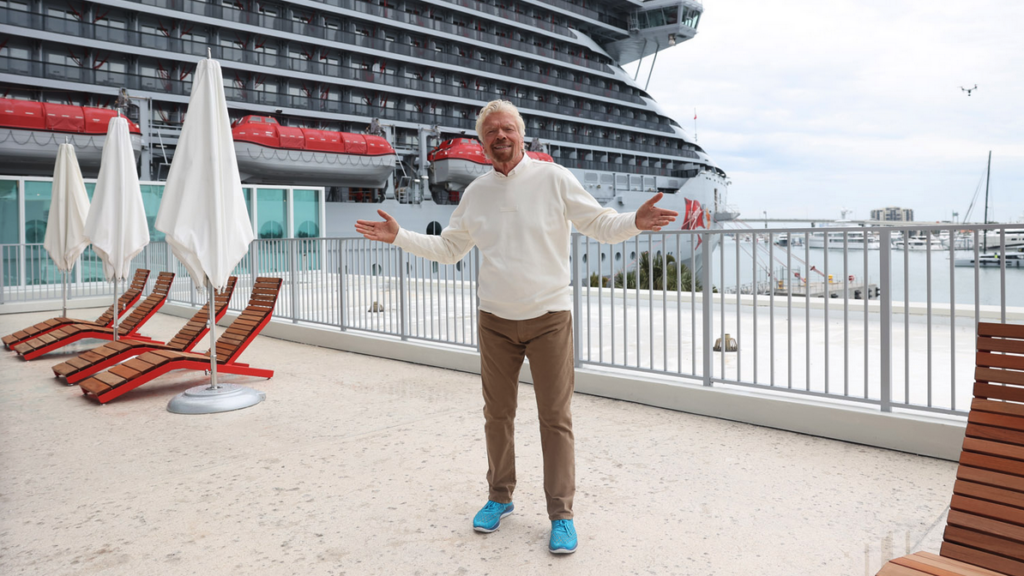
(985,529)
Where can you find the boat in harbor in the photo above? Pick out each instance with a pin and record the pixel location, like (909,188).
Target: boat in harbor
(1008,259)
(413,74)
(844,233)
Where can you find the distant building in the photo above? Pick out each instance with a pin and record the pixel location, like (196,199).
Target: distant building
(893,214)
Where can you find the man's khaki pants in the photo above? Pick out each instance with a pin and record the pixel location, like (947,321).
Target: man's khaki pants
(547,342)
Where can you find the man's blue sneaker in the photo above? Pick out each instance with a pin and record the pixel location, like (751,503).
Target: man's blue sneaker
(563,537)
(489,517)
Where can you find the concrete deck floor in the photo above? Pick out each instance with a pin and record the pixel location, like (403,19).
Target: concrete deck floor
(359,465)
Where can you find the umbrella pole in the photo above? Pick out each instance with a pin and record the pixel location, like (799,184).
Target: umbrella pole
(117,311)
(213,338)
(64,294)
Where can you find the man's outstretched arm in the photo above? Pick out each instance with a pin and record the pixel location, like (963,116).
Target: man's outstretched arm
(385,231)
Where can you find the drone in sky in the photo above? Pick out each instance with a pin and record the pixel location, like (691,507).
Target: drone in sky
(969,90)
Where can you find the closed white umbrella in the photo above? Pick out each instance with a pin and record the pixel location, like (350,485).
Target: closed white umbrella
(204,217)
(69,207)
(117,225)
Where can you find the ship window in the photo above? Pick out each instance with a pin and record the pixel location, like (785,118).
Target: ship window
(618,256)
(434,229)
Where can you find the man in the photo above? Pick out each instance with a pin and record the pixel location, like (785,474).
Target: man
(520,215)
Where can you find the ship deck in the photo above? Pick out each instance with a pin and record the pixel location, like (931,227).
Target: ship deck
(362,465)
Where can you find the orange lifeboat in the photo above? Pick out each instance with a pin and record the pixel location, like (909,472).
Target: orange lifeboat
(457,162)
(272,153)
(31,132)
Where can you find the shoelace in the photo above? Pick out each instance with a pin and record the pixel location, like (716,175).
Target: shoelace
(562,526)
(492,506)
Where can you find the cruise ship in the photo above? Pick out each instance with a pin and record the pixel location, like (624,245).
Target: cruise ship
(409,75)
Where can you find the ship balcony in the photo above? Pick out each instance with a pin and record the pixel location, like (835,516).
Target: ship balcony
(32,22)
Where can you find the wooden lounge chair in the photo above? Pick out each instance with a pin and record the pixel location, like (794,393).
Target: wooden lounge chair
(125,302)
(985,529)
(61,337)
(97,359)
(106,386)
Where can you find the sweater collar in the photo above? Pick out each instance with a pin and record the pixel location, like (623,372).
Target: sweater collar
(522,166)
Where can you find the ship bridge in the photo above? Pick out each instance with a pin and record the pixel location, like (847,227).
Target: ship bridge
(655,26)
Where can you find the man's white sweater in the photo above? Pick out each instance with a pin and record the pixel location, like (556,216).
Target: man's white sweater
(522,224)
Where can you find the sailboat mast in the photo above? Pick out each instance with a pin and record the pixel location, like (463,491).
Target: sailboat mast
(988,174)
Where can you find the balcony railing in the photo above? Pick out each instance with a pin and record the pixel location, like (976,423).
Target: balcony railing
(843,315)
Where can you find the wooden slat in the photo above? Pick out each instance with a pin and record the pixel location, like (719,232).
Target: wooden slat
(990,478)
(991,448)
(93,385)
(983,559)
(1001,330)
(976,430)
(992,510)
(999,361)
(109,378)
(138,365)
(78,363)
(982,374)
(124,371)
(986,525)
(91,356)
(994,463)
(986,542)
(1000,345)
(951,564)
(894,569)
(998,420)
(997,407)
(918,567)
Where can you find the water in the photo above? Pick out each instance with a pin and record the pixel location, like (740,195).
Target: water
(910,272)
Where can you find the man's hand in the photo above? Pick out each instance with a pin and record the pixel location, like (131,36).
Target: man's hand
(385,231)
(650,217)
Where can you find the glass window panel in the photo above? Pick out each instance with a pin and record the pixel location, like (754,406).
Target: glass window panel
(151,196)
(306,210)
(271,208)
(37,210)
(9,221)
(39,269)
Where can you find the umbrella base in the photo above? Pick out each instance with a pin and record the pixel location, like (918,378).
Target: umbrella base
(225,398)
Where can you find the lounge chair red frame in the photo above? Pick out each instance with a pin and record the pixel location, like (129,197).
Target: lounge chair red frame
(125,377)
(88,363)
(126,301)
(57,339)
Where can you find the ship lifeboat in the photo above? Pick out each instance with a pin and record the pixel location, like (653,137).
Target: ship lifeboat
(457,162)
(271,153)
(31,132)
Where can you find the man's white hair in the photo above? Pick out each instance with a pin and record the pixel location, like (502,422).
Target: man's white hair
(499,106)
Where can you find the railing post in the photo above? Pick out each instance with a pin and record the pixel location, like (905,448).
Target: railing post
(293,273)
(707,307)
(403,297)
(576,320)
(341,284)
(885,316)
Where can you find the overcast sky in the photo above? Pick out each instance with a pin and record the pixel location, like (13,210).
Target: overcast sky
(815,105)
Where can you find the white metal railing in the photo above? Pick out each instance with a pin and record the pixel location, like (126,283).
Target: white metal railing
(859,321)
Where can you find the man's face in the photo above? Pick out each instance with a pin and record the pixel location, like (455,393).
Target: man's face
(502,141)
